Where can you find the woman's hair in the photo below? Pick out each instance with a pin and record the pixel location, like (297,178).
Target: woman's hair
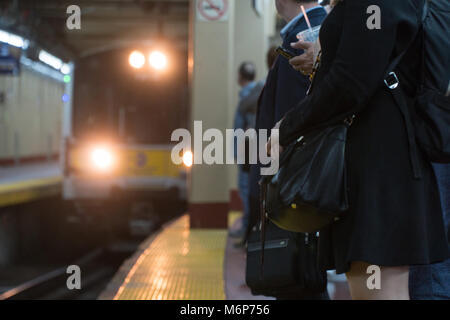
(335,2)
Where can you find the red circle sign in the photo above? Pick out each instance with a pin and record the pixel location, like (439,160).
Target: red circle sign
(212,10)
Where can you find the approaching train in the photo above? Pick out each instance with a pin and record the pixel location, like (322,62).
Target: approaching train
(124,105)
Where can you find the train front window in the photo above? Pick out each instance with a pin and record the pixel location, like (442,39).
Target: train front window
(131,105)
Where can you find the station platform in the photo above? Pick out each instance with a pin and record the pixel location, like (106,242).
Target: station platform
(28,182)
(180,263)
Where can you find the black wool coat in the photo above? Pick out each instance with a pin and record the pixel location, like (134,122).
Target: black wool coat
(395,219)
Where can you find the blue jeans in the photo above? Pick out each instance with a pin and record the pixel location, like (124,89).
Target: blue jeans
(432,282)
(244,192)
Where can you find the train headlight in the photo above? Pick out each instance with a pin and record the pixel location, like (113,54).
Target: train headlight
(188,159)
(102,159)
(158,60)
(136,59)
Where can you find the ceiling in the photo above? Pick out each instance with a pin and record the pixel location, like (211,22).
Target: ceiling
(105,24)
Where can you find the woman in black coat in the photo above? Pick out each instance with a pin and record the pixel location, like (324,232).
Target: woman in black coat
(395,219)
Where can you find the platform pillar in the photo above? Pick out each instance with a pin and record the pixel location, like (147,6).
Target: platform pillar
(217,47)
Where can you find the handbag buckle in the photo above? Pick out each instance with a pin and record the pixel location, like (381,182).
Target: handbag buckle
(391,81)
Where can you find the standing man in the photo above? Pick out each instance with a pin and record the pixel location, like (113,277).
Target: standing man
(285,87)
(245,119)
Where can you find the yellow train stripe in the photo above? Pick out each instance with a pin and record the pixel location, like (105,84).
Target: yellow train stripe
(131,162)
(25,191)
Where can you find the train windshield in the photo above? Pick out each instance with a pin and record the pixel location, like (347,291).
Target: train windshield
(128,104)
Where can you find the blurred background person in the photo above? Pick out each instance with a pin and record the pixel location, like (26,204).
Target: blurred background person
(244,119)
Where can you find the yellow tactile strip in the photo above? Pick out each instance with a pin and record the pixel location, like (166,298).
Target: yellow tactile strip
(179,264)
(25,191)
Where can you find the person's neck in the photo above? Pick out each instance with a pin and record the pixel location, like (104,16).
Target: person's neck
(244,84)
(296,10)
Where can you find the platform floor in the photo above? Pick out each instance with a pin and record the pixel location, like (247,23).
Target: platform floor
(177,264)
(183,264)
(23,183)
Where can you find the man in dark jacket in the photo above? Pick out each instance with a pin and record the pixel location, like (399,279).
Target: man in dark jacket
(284,88)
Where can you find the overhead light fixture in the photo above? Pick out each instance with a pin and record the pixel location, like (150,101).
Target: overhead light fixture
(51,60)
(13,40)
(65,69)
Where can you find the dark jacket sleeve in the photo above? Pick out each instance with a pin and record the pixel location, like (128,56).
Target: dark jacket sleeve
(292,85)
(358,68)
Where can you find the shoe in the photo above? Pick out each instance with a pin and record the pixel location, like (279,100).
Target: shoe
(237,233)
(241,244)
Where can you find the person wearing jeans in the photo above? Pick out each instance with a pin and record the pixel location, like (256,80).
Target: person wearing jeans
(432,282)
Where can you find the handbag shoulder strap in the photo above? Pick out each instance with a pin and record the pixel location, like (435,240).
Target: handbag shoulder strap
(392,82)
(396,61)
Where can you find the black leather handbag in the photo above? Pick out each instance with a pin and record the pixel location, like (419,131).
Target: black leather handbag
(310,189)
(290,268)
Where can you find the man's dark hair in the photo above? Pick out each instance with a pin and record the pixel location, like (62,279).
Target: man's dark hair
(247,71)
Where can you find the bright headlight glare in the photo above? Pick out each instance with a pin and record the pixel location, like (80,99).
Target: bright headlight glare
(136,59)
(102,159)
(188,159)
(158,60)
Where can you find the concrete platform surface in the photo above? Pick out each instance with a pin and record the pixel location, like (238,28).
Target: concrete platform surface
(176,264)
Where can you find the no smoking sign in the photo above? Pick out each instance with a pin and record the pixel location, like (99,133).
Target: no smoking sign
(212,10)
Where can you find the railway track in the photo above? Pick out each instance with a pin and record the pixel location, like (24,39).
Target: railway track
(97,268)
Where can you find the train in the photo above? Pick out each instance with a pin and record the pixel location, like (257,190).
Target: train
(123,104)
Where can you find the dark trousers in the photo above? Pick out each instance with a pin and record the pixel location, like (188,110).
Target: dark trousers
(432,282)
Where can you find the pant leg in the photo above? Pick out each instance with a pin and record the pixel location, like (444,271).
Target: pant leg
(432,282)
(244,192)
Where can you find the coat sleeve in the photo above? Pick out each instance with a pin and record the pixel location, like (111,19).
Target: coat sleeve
(357,71)
(292,85)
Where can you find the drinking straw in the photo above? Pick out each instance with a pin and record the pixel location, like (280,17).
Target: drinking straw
(306,18)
